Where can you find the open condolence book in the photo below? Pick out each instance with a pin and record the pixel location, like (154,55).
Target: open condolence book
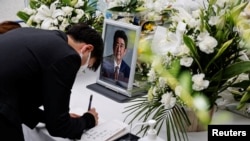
(106,131)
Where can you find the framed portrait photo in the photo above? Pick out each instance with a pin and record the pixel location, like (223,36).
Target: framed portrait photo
(117,69)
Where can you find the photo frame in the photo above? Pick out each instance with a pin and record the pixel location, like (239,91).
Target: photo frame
(123,82)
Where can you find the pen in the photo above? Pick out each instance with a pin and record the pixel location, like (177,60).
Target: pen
(90,101)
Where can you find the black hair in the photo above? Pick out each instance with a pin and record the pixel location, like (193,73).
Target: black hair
(84,33)
(120,34)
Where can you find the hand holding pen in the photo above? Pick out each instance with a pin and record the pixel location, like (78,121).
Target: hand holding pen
(90,102)
(92,110)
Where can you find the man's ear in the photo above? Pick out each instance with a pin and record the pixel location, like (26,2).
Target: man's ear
(87,47)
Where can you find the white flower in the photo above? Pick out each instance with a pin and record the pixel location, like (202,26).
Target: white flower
(162,82)
(248,110)
(213,20)
(186,61)
(199,82)
(29,11)
(208,44)
(47,23)
(64,24)
(151,75)
(196,13)
(164,42)
(79,4)
(181,28)
(46,15)
(79,15)
(67,10)
(168,100)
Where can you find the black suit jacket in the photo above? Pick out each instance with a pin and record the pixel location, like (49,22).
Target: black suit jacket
(38,68)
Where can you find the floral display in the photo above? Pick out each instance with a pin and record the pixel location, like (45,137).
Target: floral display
(130,6)
(140,10)
(59,14)
(195,58)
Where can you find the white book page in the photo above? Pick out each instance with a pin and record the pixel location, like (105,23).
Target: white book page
(105,131)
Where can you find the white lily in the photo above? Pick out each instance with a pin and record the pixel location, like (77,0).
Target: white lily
(48,14)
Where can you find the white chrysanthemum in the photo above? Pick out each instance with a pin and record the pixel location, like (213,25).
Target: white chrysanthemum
(168,100)
(199,82)
(162,82)
(186,61)
(208,44)
(151,75)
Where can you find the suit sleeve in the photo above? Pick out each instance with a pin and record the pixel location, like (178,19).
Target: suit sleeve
(57,84)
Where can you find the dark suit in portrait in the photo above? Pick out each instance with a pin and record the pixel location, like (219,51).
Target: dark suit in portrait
(108,69)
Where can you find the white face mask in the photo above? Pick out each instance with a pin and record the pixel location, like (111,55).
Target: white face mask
(85,66)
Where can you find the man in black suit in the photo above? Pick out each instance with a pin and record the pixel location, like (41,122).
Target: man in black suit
(114,66)
(38,68)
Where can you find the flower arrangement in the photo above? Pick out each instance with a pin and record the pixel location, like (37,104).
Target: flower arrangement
(59,14)
(130,6)
(137,11)
(192,61)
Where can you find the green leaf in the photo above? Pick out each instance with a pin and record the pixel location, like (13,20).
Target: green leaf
(243,100)
(117,9)
(175,68)
(22,15)
(243,84)
(191,45)
(186,82)
(219,53)
(132,3)
(235,12)
(232,70)
(34,4)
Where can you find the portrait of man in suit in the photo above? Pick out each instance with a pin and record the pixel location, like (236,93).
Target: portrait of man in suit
(113,66)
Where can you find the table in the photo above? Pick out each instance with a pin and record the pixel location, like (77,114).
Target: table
(109,109)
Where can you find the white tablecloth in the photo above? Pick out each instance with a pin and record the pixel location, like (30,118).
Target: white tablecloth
(109,109)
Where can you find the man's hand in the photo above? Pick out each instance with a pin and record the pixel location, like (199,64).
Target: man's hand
(95,114)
